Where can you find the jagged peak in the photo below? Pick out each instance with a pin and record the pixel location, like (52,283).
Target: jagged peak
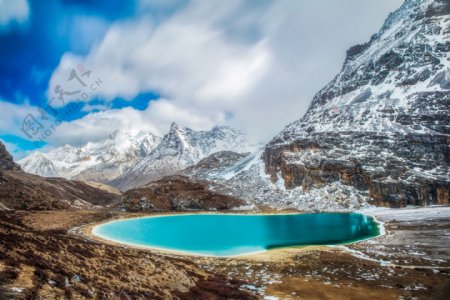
(140,152)
(407,58)
(176,130)
(175,127)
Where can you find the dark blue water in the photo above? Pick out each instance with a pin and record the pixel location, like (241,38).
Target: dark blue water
(226,235)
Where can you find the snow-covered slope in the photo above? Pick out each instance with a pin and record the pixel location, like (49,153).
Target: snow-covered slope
(398,82)
(100,161)
(378,133)
(180,148)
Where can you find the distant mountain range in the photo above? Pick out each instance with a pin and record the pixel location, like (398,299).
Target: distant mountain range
(129,159)
(101,161)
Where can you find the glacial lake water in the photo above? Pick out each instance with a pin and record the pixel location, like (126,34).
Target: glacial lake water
(238,234)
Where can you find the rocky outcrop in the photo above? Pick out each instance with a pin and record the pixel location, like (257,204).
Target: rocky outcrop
(394,171)
(382,125)
(175,193)
(6,160)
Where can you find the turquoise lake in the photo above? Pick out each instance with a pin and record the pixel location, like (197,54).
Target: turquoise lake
(231,234)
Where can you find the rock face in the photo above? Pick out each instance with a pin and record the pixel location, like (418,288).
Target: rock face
(175,193)
(19,190)
(382,125)
(180,148)
(6,160)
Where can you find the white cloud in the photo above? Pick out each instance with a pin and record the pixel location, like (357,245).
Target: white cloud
(13,116)
(13,11)
(156,119)
(259,63)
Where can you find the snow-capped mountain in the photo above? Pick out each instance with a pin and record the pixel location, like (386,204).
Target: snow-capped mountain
(179,148)
(100,161)
(378,133)
(131,159)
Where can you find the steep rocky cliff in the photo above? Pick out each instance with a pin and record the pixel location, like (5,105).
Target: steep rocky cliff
(382,124)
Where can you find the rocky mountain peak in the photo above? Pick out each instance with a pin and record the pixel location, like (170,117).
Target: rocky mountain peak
(174,127)
(128,159)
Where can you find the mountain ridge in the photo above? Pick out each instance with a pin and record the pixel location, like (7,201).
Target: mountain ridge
(129,159)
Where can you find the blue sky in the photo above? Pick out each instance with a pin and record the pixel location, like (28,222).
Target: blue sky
(31,49)
(141,64)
